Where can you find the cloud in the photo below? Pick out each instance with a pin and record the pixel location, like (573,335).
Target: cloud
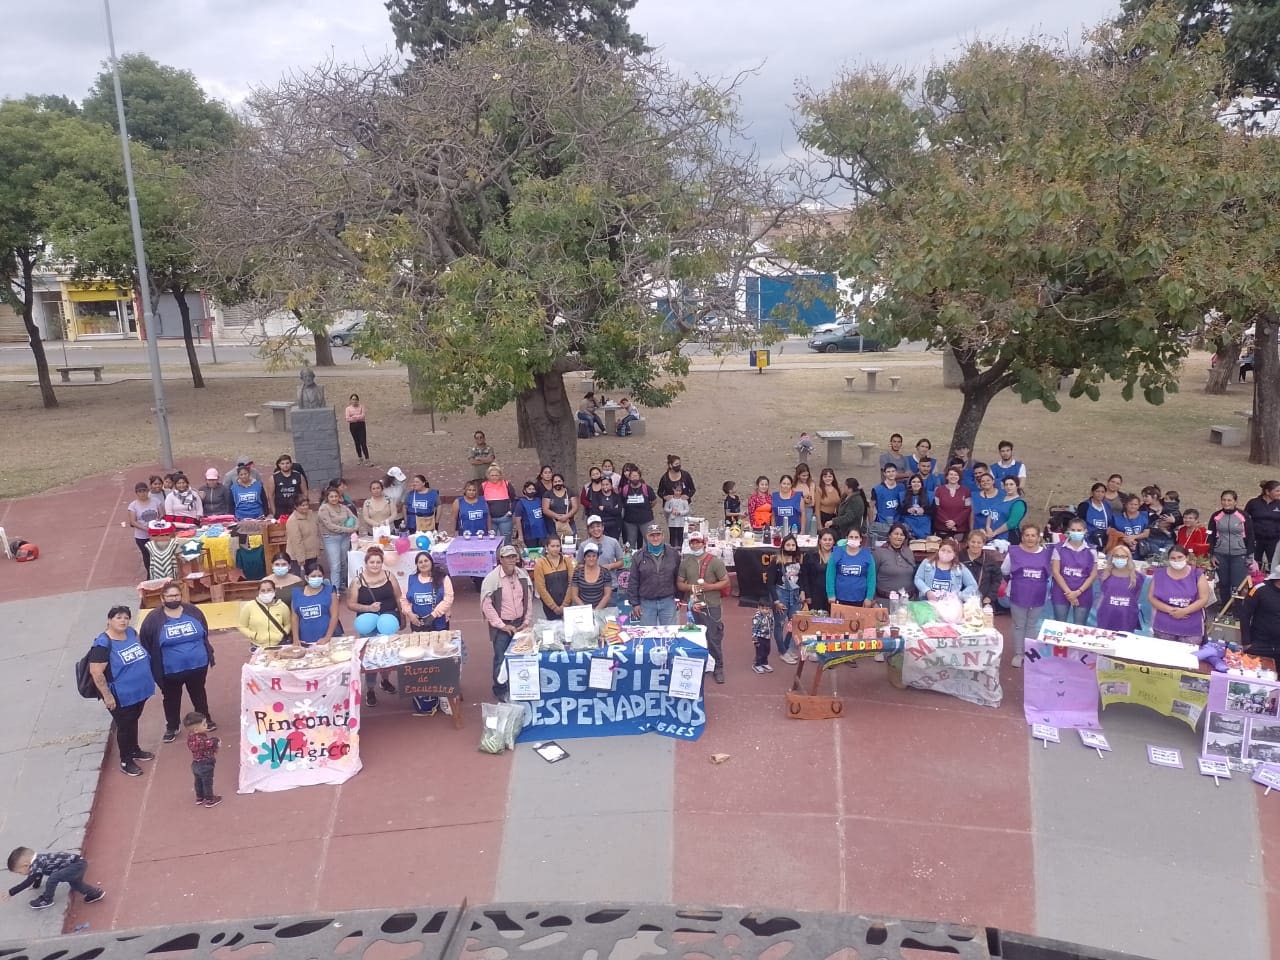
(58,46)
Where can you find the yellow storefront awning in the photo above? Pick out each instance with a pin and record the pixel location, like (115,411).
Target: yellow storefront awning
(95,292)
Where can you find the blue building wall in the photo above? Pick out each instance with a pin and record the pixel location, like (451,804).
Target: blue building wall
(766,293)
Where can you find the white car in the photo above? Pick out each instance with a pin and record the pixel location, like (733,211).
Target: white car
(822,328)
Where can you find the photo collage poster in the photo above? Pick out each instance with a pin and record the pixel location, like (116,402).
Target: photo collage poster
(1243,723)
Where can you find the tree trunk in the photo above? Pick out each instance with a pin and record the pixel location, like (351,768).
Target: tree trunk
(552,422)
(324,350)
(47,396)
(525,438)
(1226,368)
(418,382)
(979,388)
(193,361)
(1264,442)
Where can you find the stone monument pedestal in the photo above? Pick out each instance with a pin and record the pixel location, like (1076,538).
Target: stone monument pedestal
(315,446)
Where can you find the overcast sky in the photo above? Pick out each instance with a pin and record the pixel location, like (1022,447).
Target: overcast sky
(57,46)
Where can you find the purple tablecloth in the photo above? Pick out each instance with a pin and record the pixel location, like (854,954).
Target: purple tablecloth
(472,558)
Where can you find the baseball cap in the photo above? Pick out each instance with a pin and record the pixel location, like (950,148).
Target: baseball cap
(508,550)
(700,537)
(653,528)
(593,519)
(244,460)
(212,474)
(591,547)
(396,474)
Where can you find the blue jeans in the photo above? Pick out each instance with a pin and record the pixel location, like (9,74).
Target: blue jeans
(503,526)
(593,422)
(624,425)
(781,625)
(335,553)
(1069,614)
(658,613)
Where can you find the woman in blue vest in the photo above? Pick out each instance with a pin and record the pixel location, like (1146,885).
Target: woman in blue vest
(427,602)
(176,638)
(121,671)
(1096,514)
(420,505)
(249,496)
(315,608)
(788,505)
(990,510)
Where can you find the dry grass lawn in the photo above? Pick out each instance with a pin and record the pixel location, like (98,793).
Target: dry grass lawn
(730,423)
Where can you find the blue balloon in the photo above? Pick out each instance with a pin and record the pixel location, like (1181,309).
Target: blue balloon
(423,542)
(366,623)
(388,623)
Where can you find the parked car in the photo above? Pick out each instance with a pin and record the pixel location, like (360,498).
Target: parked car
(846,338)
(832,327)
(343,334)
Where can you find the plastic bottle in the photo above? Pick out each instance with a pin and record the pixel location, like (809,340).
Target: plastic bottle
(895,607)
(988,615)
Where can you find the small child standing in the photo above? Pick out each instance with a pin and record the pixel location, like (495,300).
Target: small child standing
(677,510)
(52,869)
(732,503)
(762,635)
(204,754)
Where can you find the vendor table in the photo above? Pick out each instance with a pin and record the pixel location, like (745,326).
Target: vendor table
(964,665)
(639,700)
(299,725)
(398,565)
(429,675)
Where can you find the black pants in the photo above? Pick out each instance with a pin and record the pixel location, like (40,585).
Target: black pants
(359,434)
(72,875)
(171,690)
(126,719)
(1263,551)
(676,536)
(712,619)
(501,640)
(144,548)
(762,645)
(202,770)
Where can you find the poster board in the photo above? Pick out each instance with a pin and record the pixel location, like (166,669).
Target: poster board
(1242,725)
(1181,694)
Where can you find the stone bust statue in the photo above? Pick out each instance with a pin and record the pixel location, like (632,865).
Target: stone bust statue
(310,393)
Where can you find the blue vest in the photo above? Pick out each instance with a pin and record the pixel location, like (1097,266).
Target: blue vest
(531,521)
(473,517)
(423,597)
(995,507)
(182,644)
(131,679)
(313,613)
(419,503)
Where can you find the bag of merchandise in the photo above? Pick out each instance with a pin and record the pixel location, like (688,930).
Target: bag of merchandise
(502,723)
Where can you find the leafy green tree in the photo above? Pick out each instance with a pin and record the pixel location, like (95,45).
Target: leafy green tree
(506,215)
(45,155)
(1037,211)
(431,28)
(165,107)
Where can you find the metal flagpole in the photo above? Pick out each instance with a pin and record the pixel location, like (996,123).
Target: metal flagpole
(144,281)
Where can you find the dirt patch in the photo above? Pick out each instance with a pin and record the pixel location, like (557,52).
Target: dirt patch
(730,423)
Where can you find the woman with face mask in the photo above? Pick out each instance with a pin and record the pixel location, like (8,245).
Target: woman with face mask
(944,574)
(264,621)
(1119,589)
(282,575)
(851,573)
(1179,594)
(1074,571)
(176,638)
(315,608)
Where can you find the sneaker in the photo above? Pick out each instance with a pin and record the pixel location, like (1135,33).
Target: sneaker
(169,735)
(199,801)
(718,674)
(213,801)
(388,686)
(759,669)
(39,903)
(130,769)
(95,896)
(210,726)
(789,657)
(767,669)
(370,698)
(1016,662)
(143,755)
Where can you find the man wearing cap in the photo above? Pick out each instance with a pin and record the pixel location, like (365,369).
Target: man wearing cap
(216,495)
(610,550)
(506,601)
(1260,617)
(651,588)
(706,579)
(244,460)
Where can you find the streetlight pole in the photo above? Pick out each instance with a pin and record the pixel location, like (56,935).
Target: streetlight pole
(144,281)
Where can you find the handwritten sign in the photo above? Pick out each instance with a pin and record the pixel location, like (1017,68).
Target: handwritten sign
(1164,756)
(522,674)
(1267,775)
(1218,769)
(429,678)
(1095,740)
(1046,733)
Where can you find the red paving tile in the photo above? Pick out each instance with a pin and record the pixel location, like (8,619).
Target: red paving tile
(925,871)
(746,859)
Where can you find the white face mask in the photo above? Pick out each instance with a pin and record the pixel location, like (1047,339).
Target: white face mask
(856,545)
(280,569)
(1177,564)
(267,597)
(1119,562)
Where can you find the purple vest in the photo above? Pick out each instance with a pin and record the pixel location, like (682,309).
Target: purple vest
(1028,576)
(1118,603)
(1177,593)
(1075,567)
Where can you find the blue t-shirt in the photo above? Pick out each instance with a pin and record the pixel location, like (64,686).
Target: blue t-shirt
(182,644)
(854,575)
(994,508)
(131,679)
(422,597)
(313,613)
(1130,526)
(787,513)
(473,517)
(1096,518)
(419,503)
(888,501)
(529,509)
(941,580)
(250,501)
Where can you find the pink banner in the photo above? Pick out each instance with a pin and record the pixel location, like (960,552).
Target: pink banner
(1060,687)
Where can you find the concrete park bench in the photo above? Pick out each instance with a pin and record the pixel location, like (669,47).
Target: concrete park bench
(1226,436)
(280,413)
(871,373)
(65,372)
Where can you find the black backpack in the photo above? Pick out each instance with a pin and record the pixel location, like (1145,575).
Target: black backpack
(84,680)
